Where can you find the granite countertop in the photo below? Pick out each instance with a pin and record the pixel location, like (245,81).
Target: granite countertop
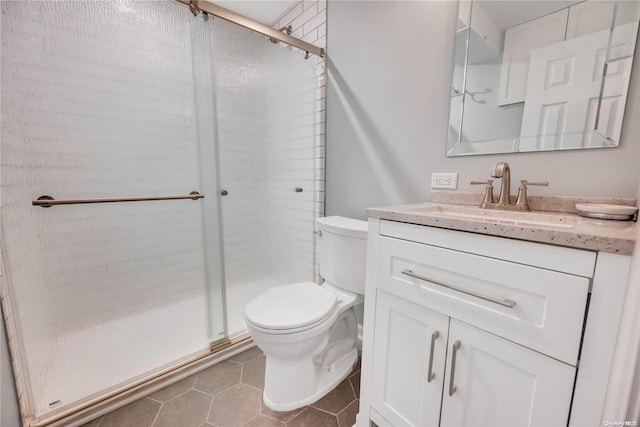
(562,227)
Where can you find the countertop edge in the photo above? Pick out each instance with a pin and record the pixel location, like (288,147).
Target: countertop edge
(583,239)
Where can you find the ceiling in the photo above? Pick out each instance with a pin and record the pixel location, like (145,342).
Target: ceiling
(263,11)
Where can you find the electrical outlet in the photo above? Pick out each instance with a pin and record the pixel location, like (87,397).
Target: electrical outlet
(444,180)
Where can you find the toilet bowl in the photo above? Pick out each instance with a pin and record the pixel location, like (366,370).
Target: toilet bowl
(309,332)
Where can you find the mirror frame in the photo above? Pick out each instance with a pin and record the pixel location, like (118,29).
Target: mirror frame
(497,146)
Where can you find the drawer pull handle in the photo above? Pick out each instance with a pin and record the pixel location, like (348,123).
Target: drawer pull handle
(505,303)
(430,374)
(452,387)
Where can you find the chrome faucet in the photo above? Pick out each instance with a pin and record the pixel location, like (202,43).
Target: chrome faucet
(501,170)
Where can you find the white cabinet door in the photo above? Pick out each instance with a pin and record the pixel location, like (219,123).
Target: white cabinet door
(519,41)
(410,343)
(493,382)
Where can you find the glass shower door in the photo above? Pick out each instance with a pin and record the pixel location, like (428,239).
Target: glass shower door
(265,97)
(101,100)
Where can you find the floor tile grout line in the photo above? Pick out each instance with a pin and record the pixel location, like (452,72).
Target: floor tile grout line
(345,408)
(100,421)
(247,361)
(252,386)
(220,392)
(155,400)
(352,387)
(274,419)
(244,424)
(213,396)
(178,395)
(206,420)
(297,415)
(157,414)
(322,410)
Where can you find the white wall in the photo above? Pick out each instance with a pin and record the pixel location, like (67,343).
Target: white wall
(389,74)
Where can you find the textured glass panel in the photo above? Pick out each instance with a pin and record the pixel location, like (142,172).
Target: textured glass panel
(98,101)
(265,125)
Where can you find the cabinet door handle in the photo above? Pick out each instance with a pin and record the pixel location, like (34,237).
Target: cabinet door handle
(452,387)
(430,374)
(505,302)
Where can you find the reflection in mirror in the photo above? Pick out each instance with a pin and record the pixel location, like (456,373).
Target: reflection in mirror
(540,75)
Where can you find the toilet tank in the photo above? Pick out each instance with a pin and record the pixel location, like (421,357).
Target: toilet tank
(342,252)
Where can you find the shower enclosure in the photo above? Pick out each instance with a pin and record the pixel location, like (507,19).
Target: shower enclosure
(137,100)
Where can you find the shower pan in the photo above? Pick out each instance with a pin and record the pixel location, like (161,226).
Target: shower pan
(157,172)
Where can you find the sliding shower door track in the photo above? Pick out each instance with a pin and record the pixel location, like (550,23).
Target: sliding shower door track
(83,412)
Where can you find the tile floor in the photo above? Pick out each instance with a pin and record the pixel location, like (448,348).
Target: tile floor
(229,394)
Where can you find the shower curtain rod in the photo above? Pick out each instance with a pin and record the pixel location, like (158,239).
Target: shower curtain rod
(230,16)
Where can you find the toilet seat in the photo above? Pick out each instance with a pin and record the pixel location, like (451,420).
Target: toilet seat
(291,308)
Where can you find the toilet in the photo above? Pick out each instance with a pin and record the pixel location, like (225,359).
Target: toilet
(309,332)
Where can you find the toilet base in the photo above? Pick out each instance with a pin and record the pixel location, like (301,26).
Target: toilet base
(326,380)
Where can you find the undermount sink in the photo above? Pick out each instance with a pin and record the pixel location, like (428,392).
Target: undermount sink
(492,216)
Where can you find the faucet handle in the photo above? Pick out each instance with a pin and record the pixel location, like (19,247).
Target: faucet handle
(524,183)
(522,201)
(488,194)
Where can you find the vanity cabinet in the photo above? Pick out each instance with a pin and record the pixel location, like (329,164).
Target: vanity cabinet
(466,330)
(416,377)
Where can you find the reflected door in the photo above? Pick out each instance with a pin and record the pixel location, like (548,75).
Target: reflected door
(563,95)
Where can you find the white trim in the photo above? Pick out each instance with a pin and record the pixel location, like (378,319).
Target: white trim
(362,419)
(622,401)
(603,320)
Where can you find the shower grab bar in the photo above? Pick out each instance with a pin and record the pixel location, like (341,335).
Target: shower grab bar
(48,201)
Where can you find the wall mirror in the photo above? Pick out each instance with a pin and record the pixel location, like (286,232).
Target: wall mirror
(540,75)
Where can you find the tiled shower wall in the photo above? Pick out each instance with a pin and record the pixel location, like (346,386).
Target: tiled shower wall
(266,136)
(308,20)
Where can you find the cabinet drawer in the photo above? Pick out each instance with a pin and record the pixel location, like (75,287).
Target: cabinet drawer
(537,308)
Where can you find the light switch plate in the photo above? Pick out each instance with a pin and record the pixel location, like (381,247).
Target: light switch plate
(444,180)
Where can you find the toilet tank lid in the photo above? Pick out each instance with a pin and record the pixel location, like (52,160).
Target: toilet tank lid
(343,225)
